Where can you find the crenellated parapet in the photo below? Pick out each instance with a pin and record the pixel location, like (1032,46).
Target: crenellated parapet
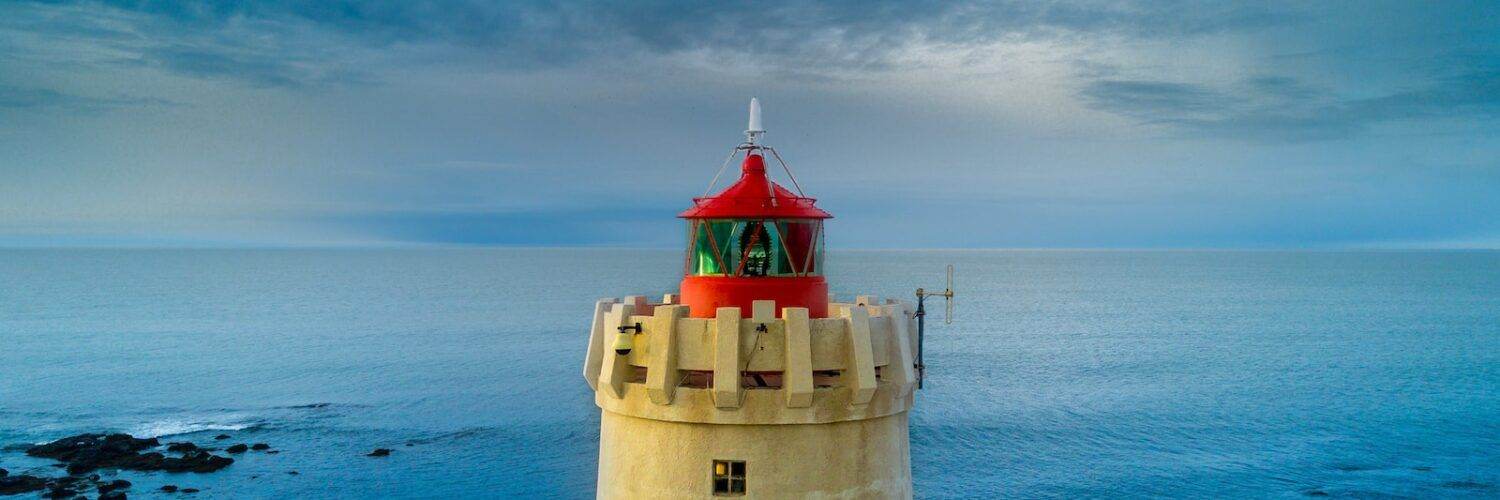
(760,368)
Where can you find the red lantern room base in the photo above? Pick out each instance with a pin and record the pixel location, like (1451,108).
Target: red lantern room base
(705,294)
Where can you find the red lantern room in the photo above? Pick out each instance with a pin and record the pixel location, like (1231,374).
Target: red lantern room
(755,240)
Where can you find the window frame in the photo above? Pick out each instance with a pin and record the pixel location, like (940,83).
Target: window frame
(735,472)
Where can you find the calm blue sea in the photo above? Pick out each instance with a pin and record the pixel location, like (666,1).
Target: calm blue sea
(1064,373)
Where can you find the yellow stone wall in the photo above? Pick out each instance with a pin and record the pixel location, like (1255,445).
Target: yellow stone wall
(642,458)
(845,437)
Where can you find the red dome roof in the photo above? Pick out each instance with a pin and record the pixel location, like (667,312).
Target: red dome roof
(754,196)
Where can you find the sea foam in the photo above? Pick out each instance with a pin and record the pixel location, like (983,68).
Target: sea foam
(164,428)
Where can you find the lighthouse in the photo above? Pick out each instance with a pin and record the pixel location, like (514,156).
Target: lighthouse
(753,381)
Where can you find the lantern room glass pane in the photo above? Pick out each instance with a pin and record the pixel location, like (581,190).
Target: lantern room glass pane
(757,249)
(729,243)
(711,240)
(800,237)
(754,248)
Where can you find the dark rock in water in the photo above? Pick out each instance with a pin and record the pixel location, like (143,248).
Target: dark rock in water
(239,448)
(66,448)
(310,406)
(23,483)
(143,461)
(380,452)
(260,446)
(272,452)
(86,452)
(292,472)
(118,484)
(221,437)
(4,473)
(198,461)
(59,492)
(1316,493)
(113,495)
(169,488)
(190,490)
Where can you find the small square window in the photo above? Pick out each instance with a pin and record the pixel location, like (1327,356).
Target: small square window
(729,478)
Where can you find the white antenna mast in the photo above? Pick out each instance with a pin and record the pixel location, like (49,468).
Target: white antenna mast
(755,130)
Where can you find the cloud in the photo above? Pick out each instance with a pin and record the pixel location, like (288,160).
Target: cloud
(1086,123)
(1474,94)
(288,43)
(1282,108)
(614,226)
(258,68)
(24,98)
(1155,101)
(257,52)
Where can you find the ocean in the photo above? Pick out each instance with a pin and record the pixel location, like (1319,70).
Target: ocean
(1078,374)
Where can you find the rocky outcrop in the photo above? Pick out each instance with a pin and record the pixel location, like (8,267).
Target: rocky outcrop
(118,484)
(87,452)
(84,453)
(21,483)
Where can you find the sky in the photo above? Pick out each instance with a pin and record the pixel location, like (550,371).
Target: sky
(1022,124)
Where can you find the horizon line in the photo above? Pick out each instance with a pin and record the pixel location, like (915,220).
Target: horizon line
(444,246)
